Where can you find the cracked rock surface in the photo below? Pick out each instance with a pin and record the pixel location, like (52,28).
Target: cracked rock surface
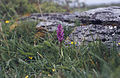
(89,33)
(104,16)
(100,23)
(51,20)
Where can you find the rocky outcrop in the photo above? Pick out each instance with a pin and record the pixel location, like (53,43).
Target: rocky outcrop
(51,20)
(101,24)
(101,16)
(97,24)
(89,33)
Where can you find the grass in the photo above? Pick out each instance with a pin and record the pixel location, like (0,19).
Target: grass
(25,55)
(19,56)
(14,9)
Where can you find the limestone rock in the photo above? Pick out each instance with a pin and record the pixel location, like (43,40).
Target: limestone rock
(101,23)
(104,16)
(95,32)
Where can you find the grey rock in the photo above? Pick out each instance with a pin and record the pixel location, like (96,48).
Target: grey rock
(104,35)
(102,24)
(96,24)
(109,15)
(51,20)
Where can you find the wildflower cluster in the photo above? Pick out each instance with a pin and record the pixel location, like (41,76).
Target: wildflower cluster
(30,58)
(73,42)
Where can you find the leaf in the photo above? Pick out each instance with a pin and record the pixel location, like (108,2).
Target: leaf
(61,52)
(98,57)
(8,62)
(4,56)
(6,76)
(26,53)
(38,46)
(47,43)
(22,61)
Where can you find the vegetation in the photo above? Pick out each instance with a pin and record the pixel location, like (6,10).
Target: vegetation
(20,57)
(24,54)
(14,8)
(51,7)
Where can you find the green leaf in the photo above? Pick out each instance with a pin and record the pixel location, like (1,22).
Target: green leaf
(8,62)
(4,56)
(47,43)
(38,46)
(22,61)
(61,52)
(26,53)
(98,57)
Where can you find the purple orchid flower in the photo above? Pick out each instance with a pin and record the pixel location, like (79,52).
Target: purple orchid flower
(60,33)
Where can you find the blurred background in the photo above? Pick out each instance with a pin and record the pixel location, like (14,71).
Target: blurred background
(18,8)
